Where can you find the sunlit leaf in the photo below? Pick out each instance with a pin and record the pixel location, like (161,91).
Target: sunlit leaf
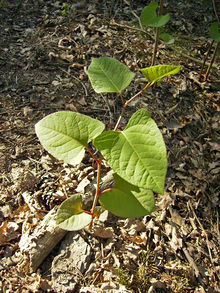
(66,134)
(137,154)
(70,215)
(127,200)
(108,75)
(155,73)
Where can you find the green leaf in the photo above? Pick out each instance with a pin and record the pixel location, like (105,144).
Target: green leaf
(70,215)
(66,134)
(107,75)
(149,16)
(214,32)
(155,73)
(137,154)
(127,200)
(168,39)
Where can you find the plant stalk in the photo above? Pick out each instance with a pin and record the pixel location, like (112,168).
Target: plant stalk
(93,156)
(127,102)
(204,59)
(157,35)
(212,61)
(97,187)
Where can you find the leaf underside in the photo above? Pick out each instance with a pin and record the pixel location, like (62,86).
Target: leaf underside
(155,73)
(66,134)
(70,215)
(127,200)
(137,154)
(108,75)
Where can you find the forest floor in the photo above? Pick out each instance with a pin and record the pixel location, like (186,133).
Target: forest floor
(44,57)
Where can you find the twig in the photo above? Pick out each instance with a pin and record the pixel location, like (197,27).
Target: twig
(194,266)
(135,15)
(124,26)
(206,237)
(214,7)
(178,50)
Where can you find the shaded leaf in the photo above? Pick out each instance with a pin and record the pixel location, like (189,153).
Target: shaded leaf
(149,16)
(108,75)
(137,154)
(127,200)
(168,39)
(214,32)
(66,134)
(70,215)
(155,73)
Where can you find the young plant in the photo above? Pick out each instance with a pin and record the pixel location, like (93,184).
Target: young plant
(137,154)
(149,18)
(65,9)
(215,36)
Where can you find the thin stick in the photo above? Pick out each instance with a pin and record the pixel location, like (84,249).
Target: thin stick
(214,7)
(204,59)
(124,26)
(135,15)
(212,61)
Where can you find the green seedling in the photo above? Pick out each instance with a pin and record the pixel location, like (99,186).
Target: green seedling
(215,36)
(64,8)
(149,18)
(137,154)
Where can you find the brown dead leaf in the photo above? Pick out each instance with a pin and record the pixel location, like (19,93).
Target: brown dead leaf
(8,232)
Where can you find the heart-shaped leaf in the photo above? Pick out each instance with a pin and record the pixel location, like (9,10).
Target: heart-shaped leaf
(66,134)
(149,16)
(108,75)
(155,73)
(137,154)
(127,200)
(70,215)
(214,32)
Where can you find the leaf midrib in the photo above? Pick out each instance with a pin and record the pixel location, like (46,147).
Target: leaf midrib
(133,148)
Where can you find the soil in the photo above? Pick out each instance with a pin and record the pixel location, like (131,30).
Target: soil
(43,64)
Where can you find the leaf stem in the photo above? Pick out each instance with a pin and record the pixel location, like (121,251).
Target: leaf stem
(97,187)
(127,102)
(93,156)
(139,93)
(106,190)
(122,100)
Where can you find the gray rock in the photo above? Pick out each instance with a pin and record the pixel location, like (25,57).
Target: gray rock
(73,260)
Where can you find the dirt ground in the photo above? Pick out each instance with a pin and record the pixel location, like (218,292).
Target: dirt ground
(44,57)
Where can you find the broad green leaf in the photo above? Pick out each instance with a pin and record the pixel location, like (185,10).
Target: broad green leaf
(149,13)
(70,215)
(214,32)
(155,73)
(149,16)
(127,200)
(66,134)
(137,154)
(108,75)
(168,39)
